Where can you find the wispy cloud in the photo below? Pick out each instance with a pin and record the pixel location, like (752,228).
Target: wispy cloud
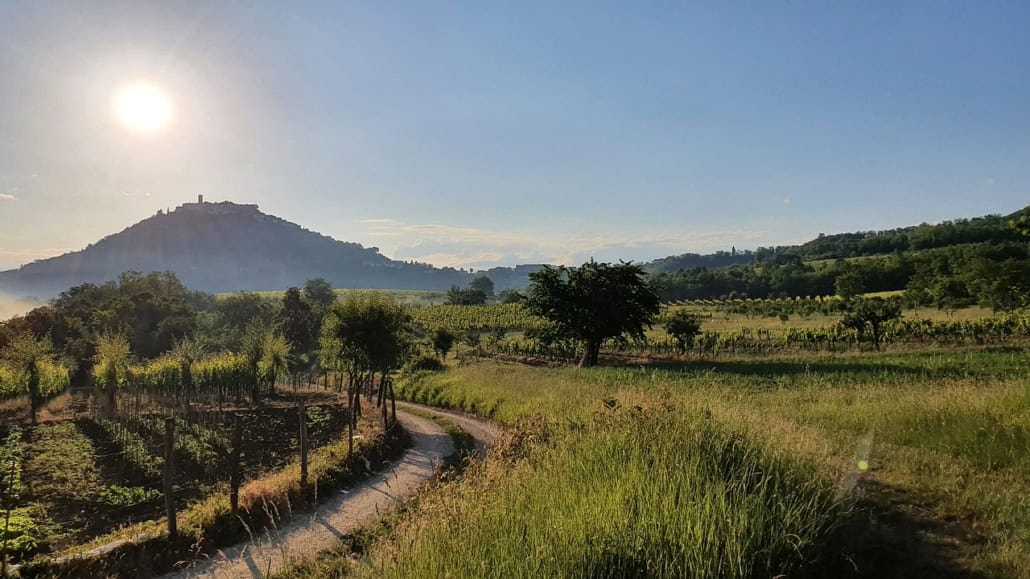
(7,197)
(448,245)
(382,221)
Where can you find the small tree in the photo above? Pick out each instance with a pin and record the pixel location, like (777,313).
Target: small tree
(443,341)
(274,362)
(28,357)
(483,284)
(111,366)
(511,296)
(871,315)
(465,297)
(684,326)
(594,302)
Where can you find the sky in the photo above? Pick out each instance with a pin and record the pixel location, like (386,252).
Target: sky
(485,133)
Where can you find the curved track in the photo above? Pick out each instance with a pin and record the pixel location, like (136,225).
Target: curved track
(306,535)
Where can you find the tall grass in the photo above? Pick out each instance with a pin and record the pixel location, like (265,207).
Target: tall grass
(633,493)
(948,429)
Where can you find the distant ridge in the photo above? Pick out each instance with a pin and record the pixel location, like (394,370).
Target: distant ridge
(218,247)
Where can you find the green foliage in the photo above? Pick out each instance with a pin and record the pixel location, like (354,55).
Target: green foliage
(119,496)
(465,297)
(111,362)
(275,354)
(594,302)
(366,334)
(21,536)
(629,494)
(133,448)
(319,293)
(31,370)
(511,296)
(870,315)
(442,340)
(483,284)
(684,326)
(296,322)
(424,362)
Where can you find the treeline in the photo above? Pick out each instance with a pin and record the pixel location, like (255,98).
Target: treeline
(994,275)
(987,229)
(155,313)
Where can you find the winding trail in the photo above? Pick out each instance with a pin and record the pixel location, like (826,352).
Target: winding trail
(483,432)
(308,534)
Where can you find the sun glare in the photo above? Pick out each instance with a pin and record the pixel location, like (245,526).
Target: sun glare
(143,107)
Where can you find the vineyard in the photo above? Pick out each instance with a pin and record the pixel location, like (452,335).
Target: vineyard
(211,440)
(507,329)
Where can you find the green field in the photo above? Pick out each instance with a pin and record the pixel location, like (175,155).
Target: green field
(897,464)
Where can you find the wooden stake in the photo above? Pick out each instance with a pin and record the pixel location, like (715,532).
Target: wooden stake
(169,475)
(236,474)
(303,444)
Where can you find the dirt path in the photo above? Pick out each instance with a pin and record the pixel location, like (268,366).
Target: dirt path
(482,431)
(308,534)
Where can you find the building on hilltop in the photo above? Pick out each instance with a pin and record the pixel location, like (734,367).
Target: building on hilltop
(220,208)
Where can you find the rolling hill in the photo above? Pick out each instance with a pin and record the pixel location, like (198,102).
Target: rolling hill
(225,247)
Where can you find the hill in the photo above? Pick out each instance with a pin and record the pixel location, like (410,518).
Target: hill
(226,247)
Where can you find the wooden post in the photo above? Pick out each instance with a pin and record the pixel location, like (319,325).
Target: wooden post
(303,444)
(393,402)
(236,474)
(169,474)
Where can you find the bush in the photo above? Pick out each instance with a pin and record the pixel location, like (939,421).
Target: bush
(424,362)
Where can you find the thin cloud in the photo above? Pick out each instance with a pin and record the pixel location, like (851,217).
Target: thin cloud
(381,221)
(7,197)
(448,245)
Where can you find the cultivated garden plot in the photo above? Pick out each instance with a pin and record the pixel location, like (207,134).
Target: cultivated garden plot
(84,477)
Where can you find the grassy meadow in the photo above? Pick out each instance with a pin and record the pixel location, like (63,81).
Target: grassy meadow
(891,464)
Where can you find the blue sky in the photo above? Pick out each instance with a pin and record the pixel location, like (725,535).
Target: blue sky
(489,133)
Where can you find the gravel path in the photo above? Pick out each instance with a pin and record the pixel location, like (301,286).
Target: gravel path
(308,534)
(482,431)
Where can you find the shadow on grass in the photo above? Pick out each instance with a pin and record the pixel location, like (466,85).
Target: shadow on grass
(891,534)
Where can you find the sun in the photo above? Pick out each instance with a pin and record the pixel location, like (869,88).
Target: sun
(143,107)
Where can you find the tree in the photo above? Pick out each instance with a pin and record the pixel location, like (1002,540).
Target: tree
(111,366)
(594,302)
(296,323)
(850,284)
(319,293)
(29,358)
(465,297)
(275,355)
(484,284)
(871,315)
(684,326)
(511,296)
(443,341)
(363,336)
(243,309)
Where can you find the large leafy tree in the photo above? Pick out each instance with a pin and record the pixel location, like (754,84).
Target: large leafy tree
(594,302)
(363,336)
(296,323)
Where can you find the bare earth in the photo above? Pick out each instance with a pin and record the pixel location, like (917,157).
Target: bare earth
(309,534)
